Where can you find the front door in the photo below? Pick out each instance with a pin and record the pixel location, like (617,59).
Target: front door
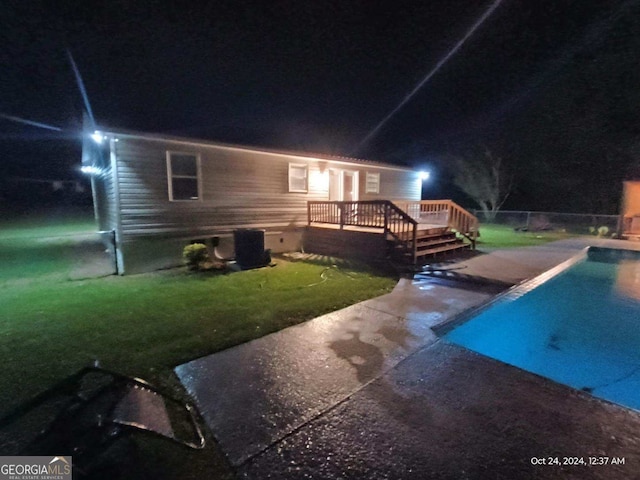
(349,186)
(343,186)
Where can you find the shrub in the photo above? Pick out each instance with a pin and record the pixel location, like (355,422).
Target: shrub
(195,255)
(603,231)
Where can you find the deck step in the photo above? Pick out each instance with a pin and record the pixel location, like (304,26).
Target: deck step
(431,243)
(435,239)
(433,252)
(424,246)
(424,234)
(442,249)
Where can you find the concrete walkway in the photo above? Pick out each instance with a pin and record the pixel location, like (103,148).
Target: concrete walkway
(371,392)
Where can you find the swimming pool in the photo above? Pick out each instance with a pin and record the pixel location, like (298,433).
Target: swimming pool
(578,324)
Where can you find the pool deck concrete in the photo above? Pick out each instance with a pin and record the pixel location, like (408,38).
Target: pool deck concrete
(371,392)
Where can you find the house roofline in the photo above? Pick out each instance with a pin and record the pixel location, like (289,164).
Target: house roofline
(210,143)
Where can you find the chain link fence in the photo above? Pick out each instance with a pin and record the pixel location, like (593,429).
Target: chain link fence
(579,223)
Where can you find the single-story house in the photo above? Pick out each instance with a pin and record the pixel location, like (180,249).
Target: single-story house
(154,194)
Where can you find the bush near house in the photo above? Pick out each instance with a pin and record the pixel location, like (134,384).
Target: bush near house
(195,255)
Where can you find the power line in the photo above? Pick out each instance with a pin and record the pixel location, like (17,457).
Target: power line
(29,122)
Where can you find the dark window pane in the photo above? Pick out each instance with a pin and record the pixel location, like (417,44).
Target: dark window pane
(297,178)
(185,189)
(184,165)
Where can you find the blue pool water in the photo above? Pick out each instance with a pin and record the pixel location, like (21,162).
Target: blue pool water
(581,327)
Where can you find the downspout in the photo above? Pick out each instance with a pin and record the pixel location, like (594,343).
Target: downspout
(117,237)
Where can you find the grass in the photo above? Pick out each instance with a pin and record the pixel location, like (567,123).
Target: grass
(37,245)
(139,323)
(145,325)
(503,236)
(48,226)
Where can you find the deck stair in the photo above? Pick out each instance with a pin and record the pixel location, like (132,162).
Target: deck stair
(430,244)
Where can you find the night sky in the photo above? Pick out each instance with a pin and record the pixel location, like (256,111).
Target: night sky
(553,87)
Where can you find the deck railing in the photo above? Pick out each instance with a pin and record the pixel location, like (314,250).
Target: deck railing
(443,212)
(381,214)
(358,214)
(400,220)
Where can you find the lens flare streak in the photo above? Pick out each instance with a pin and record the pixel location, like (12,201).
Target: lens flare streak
(433,71)
(29,122)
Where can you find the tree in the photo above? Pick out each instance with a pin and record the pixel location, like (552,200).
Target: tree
(484,178)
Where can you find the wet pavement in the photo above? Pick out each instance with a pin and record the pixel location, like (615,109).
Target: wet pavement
(371,392)
(448,413)
(256,393)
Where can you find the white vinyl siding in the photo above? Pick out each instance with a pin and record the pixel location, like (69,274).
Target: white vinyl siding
(239,188)
(298,177)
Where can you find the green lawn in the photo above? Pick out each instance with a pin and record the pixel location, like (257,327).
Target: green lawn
(142,323)
(48,224)
(502,236)
(36,245)
(145,325)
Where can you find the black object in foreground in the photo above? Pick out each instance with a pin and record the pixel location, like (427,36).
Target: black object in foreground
(87,412)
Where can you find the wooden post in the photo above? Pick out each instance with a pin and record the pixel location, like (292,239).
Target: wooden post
(415,244)
(386,217)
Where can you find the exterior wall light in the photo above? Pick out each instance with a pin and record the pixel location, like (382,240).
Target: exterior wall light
(424,176)
(97,137)
(90,170)
(319,181)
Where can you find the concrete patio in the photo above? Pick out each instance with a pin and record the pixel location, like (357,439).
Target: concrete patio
(371,392)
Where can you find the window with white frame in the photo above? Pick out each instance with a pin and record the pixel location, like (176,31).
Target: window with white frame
(373,183)
(298,177)
(183,172)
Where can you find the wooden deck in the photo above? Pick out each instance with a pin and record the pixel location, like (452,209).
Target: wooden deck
(374,230)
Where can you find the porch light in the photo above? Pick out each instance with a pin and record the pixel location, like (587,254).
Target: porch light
(319,181)
(90,170)
(424,175)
